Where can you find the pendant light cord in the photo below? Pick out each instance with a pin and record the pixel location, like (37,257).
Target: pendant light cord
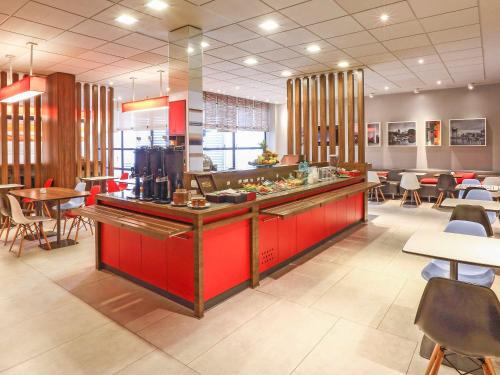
(32,45)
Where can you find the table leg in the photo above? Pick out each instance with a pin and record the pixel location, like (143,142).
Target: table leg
(453,270)
(58,243)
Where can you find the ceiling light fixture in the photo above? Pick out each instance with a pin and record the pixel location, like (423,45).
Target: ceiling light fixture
(438,82)
(26,88)
(204,45)
(343,64)
(384,17)
(470,86)
(126,19)
(190,50)
(313,48)
(269,25)
(370,95)
(286,73)
(416,91)
(251,61)
(157,5)
(110,83)
(386,88)
(237,88)
(149,104)
(421,61)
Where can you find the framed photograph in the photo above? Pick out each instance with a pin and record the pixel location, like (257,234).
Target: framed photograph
(206,183)
(468,132)
(433,133)
(402,133)
(373,134)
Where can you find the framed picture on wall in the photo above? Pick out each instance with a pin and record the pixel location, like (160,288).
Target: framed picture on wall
(468,132)
(402,133)
(433,133)
(373,134)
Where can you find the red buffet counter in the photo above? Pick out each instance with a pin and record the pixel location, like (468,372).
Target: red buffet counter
(199,258)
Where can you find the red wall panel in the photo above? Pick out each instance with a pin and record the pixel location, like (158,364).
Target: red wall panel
(154,261)
(268,242)
(130,252)
(177,117)
(287,238)
(110,245)
(180,266)
(331,225)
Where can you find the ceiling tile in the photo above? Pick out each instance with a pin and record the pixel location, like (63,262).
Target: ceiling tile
(449,20)
(258,45)
(232,34)
(398,30)
(314,68)
(294,37)
(140,41)
(130,64)
(237,10)
(48,15)
(207,59)
(298,61)
(245,72)
(78,40)
(278,4)
(459,45)
(458,33)
(29,28)
(82,63)
(336,27)
(70,69)
(428,60)
(225,66)
(9,7)
(425,8)
(99,57)
(280,54)
(270,67)
(314,11)
(149,58)
(354,6)
(398,12)
(86,8)
(465,62)
(284,23)
(459,55)
(227,52)
(414,41)
(352,40)
(378,58)
(427,66)
(118,50)
(330,57)
(64,49)
(415,52)
(466,69)
(323,44)
(365,50)
(100,30)
(10,38)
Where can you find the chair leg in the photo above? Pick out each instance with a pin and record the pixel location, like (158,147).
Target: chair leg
(432,359)
(45,236)
(23,234)
(403,199)
(417,197)
(77,227)
(8,231)
(14,239)
(71,227)
(4,226)
(46,210)
(489,365)
(381,193)
(437,363)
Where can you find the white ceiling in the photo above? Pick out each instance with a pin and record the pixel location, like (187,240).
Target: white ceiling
(457,40)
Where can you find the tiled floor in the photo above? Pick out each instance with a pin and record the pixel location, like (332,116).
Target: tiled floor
(347,309)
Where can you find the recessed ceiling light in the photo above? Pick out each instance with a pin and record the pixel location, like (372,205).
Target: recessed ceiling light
(439,82)
(190,50)
(386,88)
(470,86)
(371,95)
(126,19)
(286,73)
(251,61)
(110,83)
(313,48)
(204,44)
(269,25)
(237,88)
(416,91)
(343,64)
(384,17)
(157,5)
(421,61)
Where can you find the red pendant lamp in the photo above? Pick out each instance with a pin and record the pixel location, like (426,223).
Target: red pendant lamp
(26,88)
(148,104)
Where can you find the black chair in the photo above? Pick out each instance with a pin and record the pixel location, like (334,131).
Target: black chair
(446,187)
(473,213)
(391,186)
(461,319)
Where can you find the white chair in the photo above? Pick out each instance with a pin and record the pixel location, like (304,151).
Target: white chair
(493,181)
(24,224)
(6,223)
(373,177)
(410,183)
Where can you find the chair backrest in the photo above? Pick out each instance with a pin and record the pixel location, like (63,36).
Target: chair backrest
(16,211)
(462,317)
(373,177)
(468,175)
(48,182)
(479,194)
(409,181)
(394,175)
(465,227)
(471,181)
(474,213)
(112,186)
(491,180)
(80,187)
(446,181)
(124,176)
(4,206)
(94,190)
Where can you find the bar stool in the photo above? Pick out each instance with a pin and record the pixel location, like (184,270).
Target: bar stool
(409,182)
(446,187)
(461,318)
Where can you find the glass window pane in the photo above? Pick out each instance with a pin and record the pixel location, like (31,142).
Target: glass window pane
(215,139)
(249,138)
(244,156)
(129,139)
(117,140)
(117,159)
(128,159)
(223,159)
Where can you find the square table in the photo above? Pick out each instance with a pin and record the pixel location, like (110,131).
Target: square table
(7,187)
(98,180)
(486,187)
(52,194)
(487,205)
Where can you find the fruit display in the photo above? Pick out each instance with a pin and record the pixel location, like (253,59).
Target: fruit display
(267,159)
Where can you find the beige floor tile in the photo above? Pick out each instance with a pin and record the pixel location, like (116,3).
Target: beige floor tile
(156,363)
(419,364)
(105,350)
(274,342)
(185,337)
(399,321)
(82,276)
(350,348)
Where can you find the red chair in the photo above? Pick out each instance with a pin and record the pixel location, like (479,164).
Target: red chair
(123,185)
(77,219)
(112,187)
(30,205)
(466,175)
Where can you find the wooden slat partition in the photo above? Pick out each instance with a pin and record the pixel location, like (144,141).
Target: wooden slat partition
(305,118)
(298,117)
(3,133)
(341,112)
(38,141)
(16,171)
(95,130)
(322,116)
(350,116)
(102,128)
(314,119)
(27,143)
(290,132)
(78,129)
(331,114)
(86,131)
(110,116)
(361,116)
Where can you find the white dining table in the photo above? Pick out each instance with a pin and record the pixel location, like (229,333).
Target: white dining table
(455,248)
(487,205)
(493,188)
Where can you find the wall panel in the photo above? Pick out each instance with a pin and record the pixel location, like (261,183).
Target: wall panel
(350,117)
(290,132)
(78,128)
(110,115)
(298,117)
(322,117)
(27,143)
(314,118)
(332,114)
(16,170)
(38,141)
(341,113)
(86,130)
(305,118)
(361,116)
(102,128)
(95,130)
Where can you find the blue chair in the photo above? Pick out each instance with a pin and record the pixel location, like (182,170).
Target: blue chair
(467,273)
(468,181)
(482,195)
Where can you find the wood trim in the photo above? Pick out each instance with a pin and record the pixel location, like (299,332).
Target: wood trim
(38,141)
(350,117)
(27,143)
(314,119)
(361,116)
(289,96)
(95,130)
(322,116)
(86,130)
(298,115)
(78,129)
(331,114)
(305,118)
(103,128)
(3,133)
(199,301)
(111,123)
(341,106)
(16,151)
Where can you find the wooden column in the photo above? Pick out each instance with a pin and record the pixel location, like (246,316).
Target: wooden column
(3,133)
(199,302)
(314,119)
(322,116)
(15,138)
(350,117)
(340,98)
(78,129)
(361,116)
(331,114)
(95,130)
(111,167)
(103,128)
(289,101)
(305,118)
(38,141)
(86,129)
(27,143)
(58,154)
(298,115)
